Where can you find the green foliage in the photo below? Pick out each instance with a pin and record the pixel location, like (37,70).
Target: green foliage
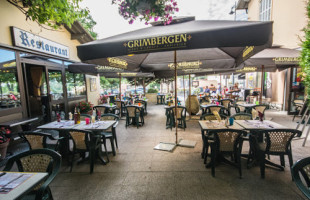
(305,54)
(88,23)
(152,90)
(109,83)
(52,13)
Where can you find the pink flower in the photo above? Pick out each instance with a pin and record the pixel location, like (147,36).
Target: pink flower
(156,18)
(177,9)
(146,23)
(147,12)
(175,3)
(131,21)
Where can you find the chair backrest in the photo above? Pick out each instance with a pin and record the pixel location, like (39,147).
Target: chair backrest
(302,167)
(109,117)
(279,140)
(118,104)
(100,108)
(83,116)
(242,116)
(260,108)
(181,111)
(209,116)
(215,108)
(227,140)
(226,102)
(35,140)
(37,160)
(241,108)
(131,111)
(80,138)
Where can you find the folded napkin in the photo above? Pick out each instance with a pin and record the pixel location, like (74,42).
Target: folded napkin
(254,114)
(217,115)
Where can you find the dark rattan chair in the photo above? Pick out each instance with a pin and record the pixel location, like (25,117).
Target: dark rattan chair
(273,142)
(302,167)
(226,142)
(181,116)
(239,109)
(111,132)
(259,108)
(38,160)
(120,108)
(227,103)
(38,140)
(133,116)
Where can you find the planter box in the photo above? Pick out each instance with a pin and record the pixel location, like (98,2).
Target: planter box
(152,97)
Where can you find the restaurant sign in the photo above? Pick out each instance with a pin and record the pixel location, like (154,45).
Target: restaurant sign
(286,60)
(28,40)
(157,43)
(108,69)
(186,65)
(247,69)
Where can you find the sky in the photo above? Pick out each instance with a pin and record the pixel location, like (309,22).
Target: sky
(110,23)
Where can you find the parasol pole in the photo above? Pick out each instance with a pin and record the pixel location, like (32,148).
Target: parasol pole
(261,87)
(135,86)
(189,97)
(175,97)
(220,84)
(184,88)
(120,86)
(143,86)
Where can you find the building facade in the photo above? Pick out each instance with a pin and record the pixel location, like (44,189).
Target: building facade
(289,18)
(34,80)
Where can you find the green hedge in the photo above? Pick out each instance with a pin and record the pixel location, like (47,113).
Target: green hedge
(151,90)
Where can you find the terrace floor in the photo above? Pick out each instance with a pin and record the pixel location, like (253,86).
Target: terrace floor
(139,172)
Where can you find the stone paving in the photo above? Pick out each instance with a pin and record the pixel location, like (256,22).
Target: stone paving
(139,172)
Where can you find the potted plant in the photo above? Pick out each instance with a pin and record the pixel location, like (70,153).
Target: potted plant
(85,107)
(4,141)
(103,99)
(147,10)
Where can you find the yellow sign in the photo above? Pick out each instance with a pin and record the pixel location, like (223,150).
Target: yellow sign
(247,69)
(198,70)
(11,64)
(186,65)
(108,69)
(127,74)
(247,52)
(117,62)
(286,60)
(158,43)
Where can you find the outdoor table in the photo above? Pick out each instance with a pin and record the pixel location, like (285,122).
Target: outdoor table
(141,109)
(161,99)
(204,107)
(17,122)
(95,128)
(145,103)
(112,97)
(25,183)
(256,124)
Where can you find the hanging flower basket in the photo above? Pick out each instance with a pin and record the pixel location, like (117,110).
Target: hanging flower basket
(147,10)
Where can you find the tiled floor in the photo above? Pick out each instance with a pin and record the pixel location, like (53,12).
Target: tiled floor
(139,172)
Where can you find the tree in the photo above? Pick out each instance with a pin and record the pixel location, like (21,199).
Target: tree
(305,54)
(52,13)
(88,23)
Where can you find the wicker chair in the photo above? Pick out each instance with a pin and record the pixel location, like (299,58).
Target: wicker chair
(227,103)
(302,167)
(83,116)
(111,132)
(226,142)
(273,142)
(259,108)
(181,116)
(38,140)
(209,116)
(239,109)
(143,103)
(120,107)
(298,104)
(133,116)
(101,109)
(210,109)
(242,116)
(38,160)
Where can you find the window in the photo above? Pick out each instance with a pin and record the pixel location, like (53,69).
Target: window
(265,10)
(55,83)
(9,88)
(75,84)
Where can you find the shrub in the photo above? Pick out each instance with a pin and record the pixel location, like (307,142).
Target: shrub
(152,90)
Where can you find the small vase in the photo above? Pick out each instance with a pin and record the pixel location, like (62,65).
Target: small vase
(3,148)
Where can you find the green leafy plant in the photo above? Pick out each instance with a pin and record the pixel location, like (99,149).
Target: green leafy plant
(52,13)
(152,90)
(305,54)
(85,106)
(5,134)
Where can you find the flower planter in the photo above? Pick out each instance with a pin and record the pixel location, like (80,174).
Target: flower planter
(3,148)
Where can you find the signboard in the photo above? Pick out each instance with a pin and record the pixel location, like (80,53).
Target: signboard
(286,60)
(30,41)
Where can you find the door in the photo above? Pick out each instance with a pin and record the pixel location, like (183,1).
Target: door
(44,91)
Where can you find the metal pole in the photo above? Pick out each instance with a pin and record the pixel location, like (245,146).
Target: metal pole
(261,87)
(120,86)
(184,88)
(135,86)
(175,97)
(189,97)
(220,84)
(143,86)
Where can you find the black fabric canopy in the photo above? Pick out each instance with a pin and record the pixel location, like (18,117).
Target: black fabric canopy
(212,44)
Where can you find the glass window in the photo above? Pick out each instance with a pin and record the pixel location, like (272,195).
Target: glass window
(55,83)
(75,84)
(9,88)
(265,10)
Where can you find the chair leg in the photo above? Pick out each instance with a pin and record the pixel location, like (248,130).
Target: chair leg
(112,145)
(213,159)
(282,160)
(262,164)
(71,164)
(105,148)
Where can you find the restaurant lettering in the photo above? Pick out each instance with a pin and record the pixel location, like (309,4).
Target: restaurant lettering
(286,60)
(247,52)
(117,62)
(186,65)
(247,69)
(156,43)
(28,40)
(127,74)
(108,69)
